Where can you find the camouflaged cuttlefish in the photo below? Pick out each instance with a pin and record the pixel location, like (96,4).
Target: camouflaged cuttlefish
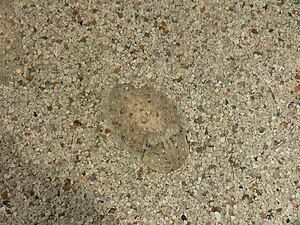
(148,125)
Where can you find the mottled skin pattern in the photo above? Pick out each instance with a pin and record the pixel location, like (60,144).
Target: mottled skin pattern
(148,125)
(167,151)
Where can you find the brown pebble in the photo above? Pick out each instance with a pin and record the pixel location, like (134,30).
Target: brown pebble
(147,34)
(6,203)
(94,10)
(199,149)
(224,29)
(245,196)
(77,123)
(263,216)
(199,120)
(93,177)
(235,128)
(67,184)
(76,159)
(178,55)
(257,53)
(29,78)
(120,15)
(284,124)
(94,22)
(254,31)
(112,210)
(279,210)
(31,192)
(116,70)
(215,209)
(66,46)
(202,10)
(212,166)
(280,3)
(75,12)
(297,75)
(4,195)
(297,89)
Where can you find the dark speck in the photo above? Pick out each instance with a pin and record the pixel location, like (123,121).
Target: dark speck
(77,123)
(112,210)
(183,217)
(270,215)
(206,131)
(254,31)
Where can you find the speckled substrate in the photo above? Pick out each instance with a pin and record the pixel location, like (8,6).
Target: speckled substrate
(232,68)
(9,43)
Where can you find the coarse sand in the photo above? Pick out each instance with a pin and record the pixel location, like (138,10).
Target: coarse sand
(231,68)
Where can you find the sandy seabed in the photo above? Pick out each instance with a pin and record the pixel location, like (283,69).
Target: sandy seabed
(232,68)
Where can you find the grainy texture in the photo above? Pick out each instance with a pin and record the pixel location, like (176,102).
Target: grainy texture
(6,39)
(9,43)
(231,67)
(6,28)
